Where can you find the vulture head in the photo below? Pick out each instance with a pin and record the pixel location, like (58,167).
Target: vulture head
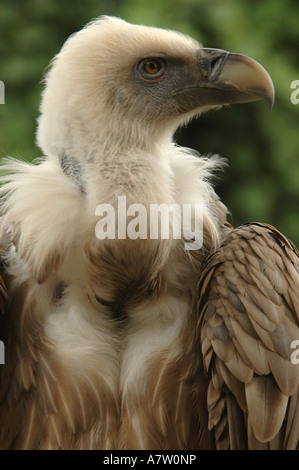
(138,83)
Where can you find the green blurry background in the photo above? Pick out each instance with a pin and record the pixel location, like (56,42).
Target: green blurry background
(261,182)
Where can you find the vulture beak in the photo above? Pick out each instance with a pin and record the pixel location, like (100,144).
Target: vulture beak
(226,78)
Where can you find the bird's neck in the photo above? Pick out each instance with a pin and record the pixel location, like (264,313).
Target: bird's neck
(125,167)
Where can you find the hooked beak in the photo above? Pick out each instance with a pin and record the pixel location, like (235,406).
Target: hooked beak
(226,78)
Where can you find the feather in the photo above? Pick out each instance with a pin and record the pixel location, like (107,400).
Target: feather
(284,372)
(252,349)
(266,420)
(237,439)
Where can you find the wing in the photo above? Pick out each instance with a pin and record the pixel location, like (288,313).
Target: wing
(248,328)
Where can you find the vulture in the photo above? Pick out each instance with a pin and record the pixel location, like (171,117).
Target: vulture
(117,336)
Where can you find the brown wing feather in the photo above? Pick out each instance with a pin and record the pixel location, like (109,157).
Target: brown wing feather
(248,318)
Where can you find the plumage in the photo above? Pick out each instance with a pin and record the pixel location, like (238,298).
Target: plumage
(270,379)
(137,341)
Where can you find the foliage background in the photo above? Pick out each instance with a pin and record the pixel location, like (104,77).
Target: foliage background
(262,180)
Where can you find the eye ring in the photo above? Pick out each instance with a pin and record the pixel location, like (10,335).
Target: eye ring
(152,68)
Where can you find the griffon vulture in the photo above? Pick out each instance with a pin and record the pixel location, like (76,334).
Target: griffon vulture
(136,342)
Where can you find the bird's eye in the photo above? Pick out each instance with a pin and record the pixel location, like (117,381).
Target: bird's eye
(152,69)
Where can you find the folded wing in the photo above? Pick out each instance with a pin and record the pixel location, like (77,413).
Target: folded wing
(248,327)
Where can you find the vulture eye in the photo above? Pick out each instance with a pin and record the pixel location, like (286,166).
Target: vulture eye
(152,69)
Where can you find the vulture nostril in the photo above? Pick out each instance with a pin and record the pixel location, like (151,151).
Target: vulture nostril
(209,66)
(215,66)
(214,62)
